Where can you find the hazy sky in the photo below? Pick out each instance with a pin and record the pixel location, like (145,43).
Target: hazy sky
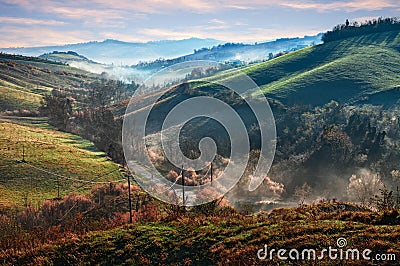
(46,22)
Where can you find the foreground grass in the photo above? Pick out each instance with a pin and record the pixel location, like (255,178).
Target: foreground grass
(57,152)
(215,240)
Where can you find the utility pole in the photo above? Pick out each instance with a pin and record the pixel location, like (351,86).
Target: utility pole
(211,172)
(183,189)
(23,153)
(129,199)
(58,188)
(98,195)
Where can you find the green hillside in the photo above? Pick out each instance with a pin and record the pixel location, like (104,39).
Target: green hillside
(68,58)
(51,156)
(63,56)
(347,70)
(24,80)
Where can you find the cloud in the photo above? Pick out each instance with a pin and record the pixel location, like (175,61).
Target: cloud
(26,4)
(216,24)
(349,6)
(161,6)
(240,7)
(213,6)
(29,21)
(39,36)
(99,15)
(109,9)
(167,34)
(217,21)
(363,19)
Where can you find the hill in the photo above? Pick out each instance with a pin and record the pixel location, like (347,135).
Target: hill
(65,57)
(237,53)
(51,156)
(118,52)
(24,80)
(356,69)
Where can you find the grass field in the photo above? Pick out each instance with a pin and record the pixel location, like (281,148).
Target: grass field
(46,152)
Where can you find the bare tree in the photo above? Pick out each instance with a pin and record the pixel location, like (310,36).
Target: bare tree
(303,193)
(363,186)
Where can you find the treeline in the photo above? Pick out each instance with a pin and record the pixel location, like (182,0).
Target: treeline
(27,58)
(353,29)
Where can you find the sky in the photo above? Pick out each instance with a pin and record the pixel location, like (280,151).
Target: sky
(46,22)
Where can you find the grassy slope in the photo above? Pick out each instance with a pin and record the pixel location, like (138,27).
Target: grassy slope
(232,240)
(23,80)
(62,56)
(55,151)
(344,70)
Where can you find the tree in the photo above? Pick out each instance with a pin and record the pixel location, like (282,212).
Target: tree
(364,185)
(270,56)
(385,200)
(58,108)
(303,193)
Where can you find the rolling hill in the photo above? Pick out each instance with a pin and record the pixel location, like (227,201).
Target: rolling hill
(65,57)
(237,53)
(355,69)
(24,80)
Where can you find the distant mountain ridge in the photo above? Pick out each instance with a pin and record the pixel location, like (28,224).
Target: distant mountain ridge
(129,53)
(122,53)
(238,52)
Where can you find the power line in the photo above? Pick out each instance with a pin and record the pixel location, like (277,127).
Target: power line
(103,176)
(71,178)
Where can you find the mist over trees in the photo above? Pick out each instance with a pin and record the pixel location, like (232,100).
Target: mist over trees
(334,147)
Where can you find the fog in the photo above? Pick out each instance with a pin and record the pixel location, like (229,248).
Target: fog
(122,73)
